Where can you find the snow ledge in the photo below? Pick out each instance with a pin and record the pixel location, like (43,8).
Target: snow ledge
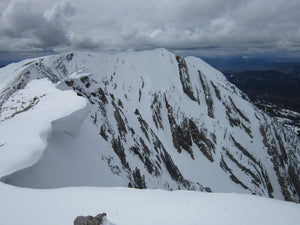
(24,133)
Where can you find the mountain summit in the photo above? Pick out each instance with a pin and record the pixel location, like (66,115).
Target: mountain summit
(147,119)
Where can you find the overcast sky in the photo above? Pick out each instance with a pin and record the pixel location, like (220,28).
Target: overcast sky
(195,27)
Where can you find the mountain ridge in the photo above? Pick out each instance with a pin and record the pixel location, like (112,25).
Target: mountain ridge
(162,121)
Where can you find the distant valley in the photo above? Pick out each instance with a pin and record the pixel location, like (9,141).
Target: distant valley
(273,81)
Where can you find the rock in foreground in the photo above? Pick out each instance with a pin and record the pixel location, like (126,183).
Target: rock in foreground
(100,219)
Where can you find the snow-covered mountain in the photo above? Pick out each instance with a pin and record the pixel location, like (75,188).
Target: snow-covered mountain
(146,119)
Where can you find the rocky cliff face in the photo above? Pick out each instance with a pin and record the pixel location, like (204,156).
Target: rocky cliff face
(163,121)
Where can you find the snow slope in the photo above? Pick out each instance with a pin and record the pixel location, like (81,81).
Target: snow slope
(69,160)
(131,206)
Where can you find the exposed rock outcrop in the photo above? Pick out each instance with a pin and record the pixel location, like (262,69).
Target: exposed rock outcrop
(100,219)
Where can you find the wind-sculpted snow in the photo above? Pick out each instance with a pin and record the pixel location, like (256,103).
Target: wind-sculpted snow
(27,118)
(155,120)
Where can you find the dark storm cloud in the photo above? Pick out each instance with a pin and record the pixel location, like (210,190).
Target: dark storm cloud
(226,27)
(28,29)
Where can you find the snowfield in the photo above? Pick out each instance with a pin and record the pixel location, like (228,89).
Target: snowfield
(141,207)
(77,129)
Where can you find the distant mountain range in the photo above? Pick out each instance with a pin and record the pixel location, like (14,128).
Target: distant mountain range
(274,80)
(273,86)
(240,64)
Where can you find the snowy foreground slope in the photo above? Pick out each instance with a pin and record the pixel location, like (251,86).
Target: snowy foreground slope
(147,207)
(146,120)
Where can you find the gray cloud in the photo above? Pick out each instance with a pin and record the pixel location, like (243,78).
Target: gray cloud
(26,29)
(203,26)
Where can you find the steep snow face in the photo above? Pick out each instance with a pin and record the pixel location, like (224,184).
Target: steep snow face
(155,120)
(27,117)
